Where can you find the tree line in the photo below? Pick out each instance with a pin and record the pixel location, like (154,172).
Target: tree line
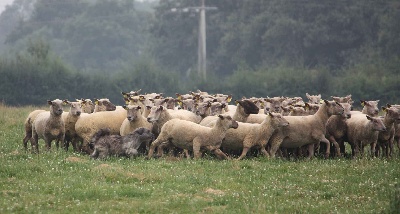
(82,48)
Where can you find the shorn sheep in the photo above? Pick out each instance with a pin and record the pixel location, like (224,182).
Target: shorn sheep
(192,136)
(105,145)
(336,128)
(305,130)
(249,135)
(134,119)
(103,105)
(70,119)
(28,126)
(88,124)
(49,126)
(363,130)
(386,138)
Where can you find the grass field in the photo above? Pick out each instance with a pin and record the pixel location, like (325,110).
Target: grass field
(66,182)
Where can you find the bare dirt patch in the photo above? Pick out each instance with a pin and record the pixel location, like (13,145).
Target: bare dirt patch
(75,160)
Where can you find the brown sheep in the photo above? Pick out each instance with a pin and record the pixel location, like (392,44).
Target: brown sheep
(386,138)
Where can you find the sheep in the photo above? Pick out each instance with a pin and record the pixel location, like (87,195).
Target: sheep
(386,138)
(298,111)
(217,108)
(192,136)
(305,130)
(86,105)
(103,105)
(89,124)
(105,145)
(346,99)
(249,135)
(397,129)
(159,115)
(49,126)
(369,107)
(134,119)
(336,128)
(187,104)
(243,110)
(363,130)
(70,119)
(315,99)
(28,126)
(275,104)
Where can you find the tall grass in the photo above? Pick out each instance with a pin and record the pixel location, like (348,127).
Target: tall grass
(67,182)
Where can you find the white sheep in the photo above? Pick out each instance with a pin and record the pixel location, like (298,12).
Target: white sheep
(159,115)
(363,130)
(305,130)
(49,126)
(369,107)
(70,119)
(87,105)
(134,119)
(88,124)
(386,138)
(249,135)
(28,126)
(192,136)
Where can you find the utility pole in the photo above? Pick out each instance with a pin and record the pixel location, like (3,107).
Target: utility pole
(202,51)
(202,46)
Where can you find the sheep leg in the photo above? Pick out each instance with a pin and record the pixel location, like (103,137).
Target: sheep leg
(95,154)
(310,151)
(48,144)
(390,147)
(153,145)
(264,151)
(244,152)
(28,136)
(196,149)
(328,145)
(336,144)
(34,143)
(220,154)
(373,145)
(275,143)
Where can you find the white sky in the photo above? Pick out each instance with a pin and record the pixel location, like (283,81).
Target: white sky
(3,4)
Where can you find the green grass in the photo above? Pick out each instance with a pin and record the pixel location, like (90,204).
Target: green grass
(66,182)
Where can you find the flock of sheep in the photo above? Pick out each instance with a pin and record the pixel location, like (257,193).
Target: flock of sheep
(199,122)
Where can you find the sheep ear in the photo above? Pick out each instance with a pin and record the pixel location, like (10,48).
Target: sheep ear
(142,98)
(306,106)
(223,105)
(388,105)
(220,116)
(236,102)
(229,98)
(139,107)
(326,102)
(363,102)
(161,108)
(125,107)
(148,107)
(270,114)
(384,109)
(65,102)
(49,102)
(369,117)
(208,104)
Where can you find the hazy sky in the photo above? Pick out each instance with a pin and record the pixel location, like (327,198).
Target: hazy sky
(3,4)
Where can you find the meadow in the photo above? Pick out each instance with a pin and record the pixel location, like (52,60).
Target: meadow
(68,182)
